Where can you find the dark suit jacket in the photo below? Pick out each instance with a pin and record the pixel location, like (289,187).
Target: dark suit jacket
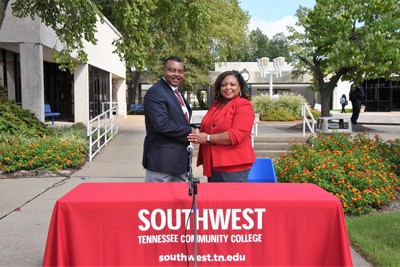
(165,145)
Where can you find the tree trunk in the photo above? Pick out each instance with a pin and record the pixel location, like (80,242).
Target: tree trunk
(326,96)
(133,88)
(139,90)
(200,99)
(131,91)
(3,7)
(135,81)
(326,88)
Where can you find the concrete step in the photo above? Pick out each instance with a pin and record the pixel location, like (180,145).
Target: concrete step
(300,139)
(269,153)
(271,146)
(258,153)
(268,147)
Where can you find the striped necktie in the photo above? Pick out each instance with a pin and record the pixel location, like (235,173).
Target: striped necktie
(178,95)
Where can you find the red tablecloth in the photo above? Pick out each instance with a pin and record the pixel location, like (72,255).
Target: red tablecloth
(250,224)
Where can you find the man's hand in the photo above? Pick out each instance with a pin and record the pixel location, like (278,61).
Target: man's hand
(195,131)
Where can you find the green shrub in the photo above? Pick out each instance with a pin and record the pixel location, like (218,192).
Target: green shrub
(360,171)
(280,114)
(137,112)
(262,104)
(292,102)
(316,114)
(26,143)
(16,121)
(286,108)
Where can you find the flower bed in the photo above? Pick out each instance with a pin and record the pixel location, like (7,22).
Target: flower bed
(46,153)
(360,171)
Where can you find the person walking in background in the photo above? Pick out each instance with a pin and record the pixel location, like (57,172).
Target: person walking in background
(226,152)
(344,103)
(167,117)
(356,96)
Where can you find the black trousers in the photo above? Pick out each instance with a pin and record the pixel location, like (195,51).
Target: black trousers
(356,110)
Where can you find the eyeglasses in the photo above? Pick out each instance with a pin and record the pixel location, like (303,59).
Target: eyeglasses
(181,71)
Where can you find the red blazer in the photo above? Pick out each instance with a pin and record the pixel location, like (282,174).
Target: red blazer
(237,118)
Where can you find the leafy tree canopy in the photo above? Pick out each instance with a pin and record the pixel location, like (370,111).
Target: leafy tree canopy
(200,32)
(73,21)
(262,46)
(350,40)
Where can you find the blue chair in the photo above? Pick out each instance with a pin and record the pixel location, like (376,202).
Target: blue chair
(262,171)
(48,113)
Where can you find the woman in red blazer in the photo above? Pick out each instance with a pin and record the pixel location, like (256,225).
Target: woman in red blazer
(226,152)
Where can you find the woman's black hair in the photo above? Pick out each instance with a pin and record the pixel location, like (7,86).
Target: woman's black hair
(242,83)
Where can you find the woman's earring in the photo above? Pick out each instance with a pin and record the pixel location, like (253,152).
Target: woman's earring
(240,93)
(219,95)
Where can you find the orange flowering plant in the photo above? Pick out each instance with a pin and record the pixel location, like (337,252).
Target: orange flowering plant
(51,152)
(362,172)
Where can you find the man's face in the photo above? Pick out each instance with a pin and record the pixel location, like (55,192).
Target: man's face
(173,72)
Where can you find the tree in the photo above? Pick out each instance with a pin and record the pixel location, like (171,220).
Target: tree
(72,20)
(135,22)
(262,46)
(227,30)
(278,46)
(350,40)
(225,38)
(151,31)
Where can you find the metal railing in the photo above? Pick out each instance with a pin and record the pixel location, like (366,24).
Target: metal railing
(254,130)
(305,110)
(122,107)
(102,129)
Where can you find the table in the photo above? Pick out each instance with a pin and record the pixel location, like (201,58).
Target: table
(247,224)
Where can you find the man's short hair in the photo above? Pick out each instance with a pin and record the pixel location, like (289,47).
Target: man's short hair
(173,58)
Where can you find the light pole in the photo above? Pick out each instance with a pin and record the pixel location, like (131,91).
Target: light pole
(263,65)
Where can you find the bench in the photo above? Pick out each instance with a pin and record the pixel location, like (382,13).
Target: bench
(137,107)
(48,113)
(328,125)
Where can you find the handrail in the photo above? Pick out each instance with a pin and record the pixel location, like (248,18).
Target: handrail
(304,111)
(122,110)
(254,130)
(105,126)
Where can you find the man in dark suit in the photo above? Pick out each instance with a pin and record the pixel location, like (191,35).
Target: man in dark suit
(167,117)
(356,96)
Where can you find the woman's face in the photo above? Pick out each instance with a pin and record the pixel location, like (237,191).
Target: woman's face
(230,88)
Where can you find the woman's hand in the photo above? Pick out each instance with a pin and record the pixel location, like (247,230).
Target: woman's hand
(199,138)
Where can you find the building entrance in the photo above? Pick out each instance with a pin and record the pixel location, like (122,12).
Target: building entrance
(382,95)
(99,91)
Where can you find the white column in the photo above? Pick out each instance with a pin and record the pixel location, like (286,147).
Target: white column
(121,96)
(32,80)
(81,93)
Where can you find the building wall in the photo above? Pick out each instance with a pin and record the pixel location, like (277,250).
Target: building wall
(260,84)
(101,55)
(342,88)
(37,41)
(385,92)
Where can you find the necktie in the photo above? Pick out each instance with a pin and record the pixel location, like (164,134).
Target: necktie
(178,95)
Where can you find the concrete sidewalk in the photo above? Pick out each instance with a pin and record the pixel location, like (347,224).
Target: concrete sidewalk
(26,204)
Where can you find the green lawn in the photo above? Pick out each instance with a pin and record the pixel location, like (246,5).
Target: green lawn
(376,237)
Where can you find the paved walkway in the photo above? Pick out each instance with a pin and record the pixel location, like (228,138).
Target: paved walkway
(26,204)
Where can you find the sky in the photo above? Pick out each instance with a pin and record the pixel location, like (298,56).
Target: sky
(272,16)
